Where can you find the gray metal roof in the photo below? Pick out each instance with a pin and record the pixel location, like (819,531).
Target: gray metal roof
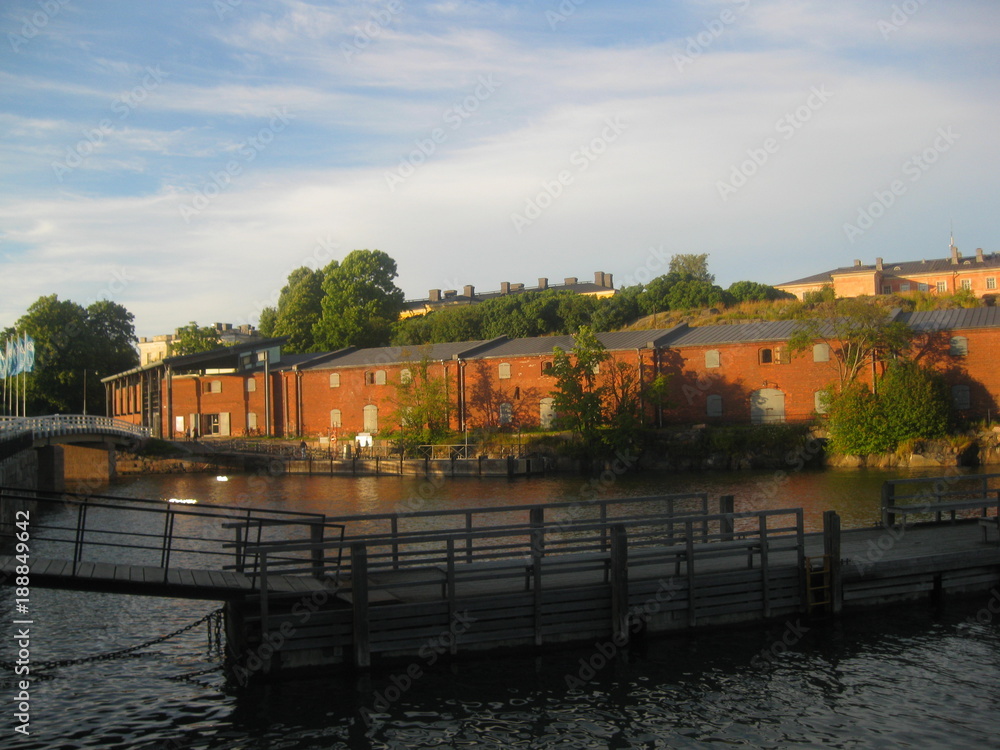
(776,330)
(613,341)
(937,320)
(904,268)
(395,355)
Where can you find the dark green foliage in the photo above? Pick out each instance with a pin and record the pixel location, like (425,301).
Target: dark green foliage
(360,302)
(690,293)
(695,266)
(75,346)
(192,338)
(752,291)
(911,402)
(421,407)
(299,308)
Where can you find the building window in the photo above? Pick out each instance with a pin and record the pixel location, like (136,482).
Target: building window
(375,377)
(252,420)
(713,405)
(596,369)
(517,393)
(886,289)
(506,413)
(335,380)
(212,386)
(821,353)
(923,288)
(820,402)
(405,376)
(251,385)
(546,368)
(904,287)
(371,418)
(712,359)
(942,287)
(958,346)
(546,413)
(335,418)
(967,285)
(766,356)
(504,371)
(960,397)
(991,282)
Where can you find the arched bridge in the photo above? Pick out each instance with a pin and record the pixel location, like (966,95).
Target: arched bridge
(70,428)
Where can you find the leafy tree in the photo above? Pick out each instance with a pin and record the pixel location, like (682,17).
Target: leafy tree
(691,293)
(268,321)
(691,265)
(360,303)
(420,406)
(193,338)
(74,348)
(825,296)
(300,305)
(752,291)
(578,397)
(616,312)
(859,333)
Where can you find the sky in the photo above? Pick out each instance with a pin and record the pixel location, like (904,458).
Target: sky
(183,158)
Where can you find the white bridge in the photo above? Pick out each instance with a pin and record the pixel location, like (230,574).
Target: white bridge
(69,427)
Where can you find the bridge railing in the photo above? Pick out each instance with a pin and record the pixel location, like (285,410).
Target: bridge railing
(161,534)
(57,425)
(929,498)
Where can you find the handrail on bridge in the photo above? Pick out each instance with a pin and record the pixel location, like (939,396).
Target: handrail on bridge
(73,424)
(175,535)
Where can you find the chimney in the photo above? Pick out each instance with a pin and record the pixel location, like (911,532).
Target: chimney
(979,255)
(878,264)
(570,280)
(609,281)
(504,287)
(469,291)
(434,295)
(450,293)
(599,278)
(955,255)
(857,263)
(517,287)
(543,283)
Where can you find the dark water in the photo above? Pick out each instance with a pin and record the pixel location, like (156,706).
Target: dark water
(910,677)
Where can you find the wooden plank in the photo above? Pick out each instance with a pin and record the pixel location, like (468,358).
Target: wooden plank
(123,573)
(103,571)
(85,570)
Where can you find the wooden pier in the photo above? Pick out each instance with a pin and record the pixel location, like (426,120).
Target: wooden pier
(308,591)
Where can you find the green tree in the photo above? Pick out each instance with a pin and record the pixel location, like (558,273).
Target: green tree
(361,302)
(691,293)
(268,321)
(74,348)
(192,339)
(616,312)
(692,265)
(859,332)
(300,305)
(578,396)
(420,406)
(752,291)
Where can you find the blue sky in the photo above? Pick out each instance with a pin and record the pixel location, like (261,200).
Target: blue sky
(182,158)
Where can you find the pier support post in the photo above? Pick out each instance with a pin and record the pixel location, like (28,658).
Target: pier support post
(619,585)
(316,538)
(359,600)
(727,504)
(831,547)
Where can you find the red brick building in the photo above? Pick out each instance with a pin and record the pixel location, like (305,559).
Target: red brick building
(741,373)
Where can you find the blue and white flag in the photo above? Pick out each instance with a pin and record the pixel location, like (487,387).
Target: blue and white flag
(28,354)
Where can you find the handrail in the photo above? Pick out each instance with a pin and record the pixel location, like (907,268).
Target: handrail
(75,424)
(940,494)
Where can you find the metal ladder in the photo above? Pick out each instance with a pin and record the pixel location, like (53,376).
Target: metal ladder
(818,584)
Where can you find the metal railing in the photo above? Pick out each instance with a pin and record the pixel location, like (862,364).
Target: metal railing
(927,498)
(58,425)
(157,533)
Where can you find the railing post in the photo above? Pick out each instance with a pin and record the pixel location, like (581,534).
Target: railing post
(359,601)
(888,518)
(604,525)
(537,550)
(536,520)
(468,539)
(450,584)
(81,523)
(689,553)
(264,603)
(394,521)
(318,553)
(727,505)
(168,532)
(619,585)
(831,548)
(764,571)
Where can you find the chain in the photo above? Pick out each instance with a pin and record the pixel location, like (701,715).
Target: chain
(121,653)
